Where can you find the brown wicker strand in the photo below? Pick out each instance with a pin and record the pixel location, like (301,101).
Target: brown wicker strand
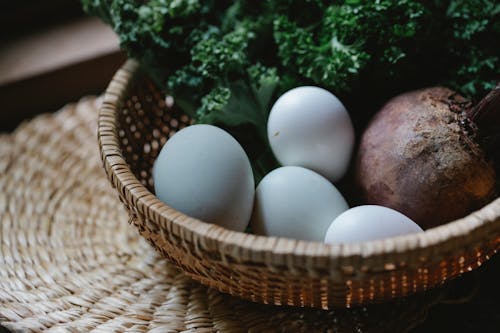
(69,261)
(135,121)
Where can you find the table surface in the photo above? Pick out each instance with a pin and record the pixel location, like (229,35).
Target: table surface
(48,68)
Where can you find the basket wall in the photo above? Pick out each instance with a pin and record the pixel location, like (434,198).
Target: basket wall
(136,120)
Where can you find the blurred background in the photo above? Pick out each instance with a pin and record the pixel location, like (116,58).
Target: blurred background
(51,53)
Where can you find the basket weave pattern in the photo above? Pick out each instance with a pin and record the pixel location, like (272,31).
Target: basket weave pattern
(69,262)
(136,120)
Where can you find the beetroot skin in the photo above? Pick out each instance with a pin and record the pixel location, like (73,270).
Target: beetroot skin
(421,155)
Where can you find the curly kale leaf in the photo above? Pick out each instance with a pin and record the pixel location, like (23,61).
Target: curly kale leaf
(225,62)
(159,33)
(475,28)
(216,58)
(243,107)
(243,101)
(328,63)
(334,51)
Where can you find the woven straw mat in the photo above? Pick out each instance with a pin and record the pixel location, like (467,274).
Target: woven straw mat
(70,262)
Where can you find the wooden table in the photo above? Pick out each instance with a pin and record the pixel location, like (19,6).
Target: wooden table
(43,70)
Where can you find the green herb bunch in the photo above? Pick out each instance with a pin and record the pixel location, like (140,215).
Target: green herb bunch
(225,62)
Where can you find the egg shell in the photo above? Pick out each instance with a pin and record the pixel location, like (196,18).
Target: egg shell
(203,172)
(295,202)
(309,127)
(369,222)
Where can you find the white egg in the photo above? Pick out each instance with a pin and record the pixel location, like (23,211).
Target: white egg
(203,172)
(310,127)
(295,202)
(369,222)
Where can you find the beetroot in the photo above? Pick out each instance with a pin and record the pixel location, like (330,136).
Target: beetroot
(423,155)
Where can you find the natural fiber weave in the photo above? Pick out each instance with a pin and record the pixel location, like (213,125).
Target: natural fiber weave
(69,262)
(135,121)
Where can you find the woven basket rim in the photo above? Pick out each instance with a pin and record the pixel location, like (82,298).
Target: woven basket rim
(223,240)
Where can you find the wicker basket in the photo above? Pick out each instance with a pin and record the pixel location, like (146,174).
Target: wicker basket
(136,120)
